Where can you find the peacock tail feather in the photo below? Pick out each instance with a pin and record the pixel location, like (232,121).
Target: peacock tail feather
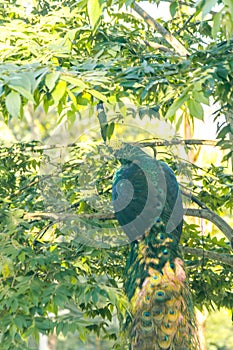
(161,307)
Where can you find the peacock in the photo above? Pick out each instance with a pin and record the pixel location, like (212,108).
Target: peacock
(148,206)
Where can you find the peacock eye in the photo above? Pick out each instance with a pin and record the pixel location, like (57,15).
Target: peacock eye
(160,293)
(158,312)
(165,252)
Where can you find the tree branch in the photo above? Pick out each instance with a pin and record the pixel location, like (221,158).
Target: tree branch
(179,48)
(194,199)
(179,142)
(223,258)
(155,46)
(214,218)
(156,143)
(201,213)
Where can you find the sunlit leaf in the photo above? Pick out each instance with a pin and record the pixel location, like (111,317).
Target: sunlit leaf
(229,3)
(216,23)
(195,109)
(200,97)
(94,8)
(208,5)
(51,79)
(13,103)
(74,81)
(176,105)
(25,93)
(110,130)
(173,8)
(59,91)
(98,95)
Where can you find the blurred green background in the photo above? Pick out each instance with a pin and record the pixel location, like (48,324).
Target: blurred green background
(219,336)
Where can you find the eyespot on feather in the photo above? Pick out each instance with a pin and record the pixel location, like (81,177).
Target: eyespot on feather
(160,295)
(164,342)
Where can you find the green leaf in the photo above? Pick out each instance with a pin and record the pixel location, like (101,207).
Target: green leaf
(208,4)
(74,81)
(227,156)
(222,72)
(229,3)
(94,9)
(110,130)
(102,117)
(51,79)
(73,98)
(173,8)
(95,297)
(195,109)
(25,80)
(200,97)
(228,19)
(225,130)
(177,104)
(59,91)
(179,121)
(13,103)
(25,93)
(216,24)
(98,95)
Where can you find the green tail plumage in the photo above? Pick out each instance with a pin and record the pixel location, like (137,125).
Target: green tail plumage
(148,206)
(161,309)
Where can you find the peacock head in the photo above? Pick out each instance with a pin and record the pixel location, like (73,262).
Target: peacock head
(128,153)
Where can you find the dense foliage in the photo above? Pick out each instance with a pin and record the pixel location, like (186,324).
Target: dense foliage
(62,254)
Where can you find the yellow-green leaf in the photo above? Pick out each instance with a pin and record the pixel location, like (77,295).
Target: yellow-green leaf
(216,24)
(208,4)
(94,9)
(13,103)
(98,95)
(51,79)
(59,91)
(200,97)
(229,3)
(5,271)
(176,105)
(73,98)
(25,80)
(23,92)
(74,81)
(195,109)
